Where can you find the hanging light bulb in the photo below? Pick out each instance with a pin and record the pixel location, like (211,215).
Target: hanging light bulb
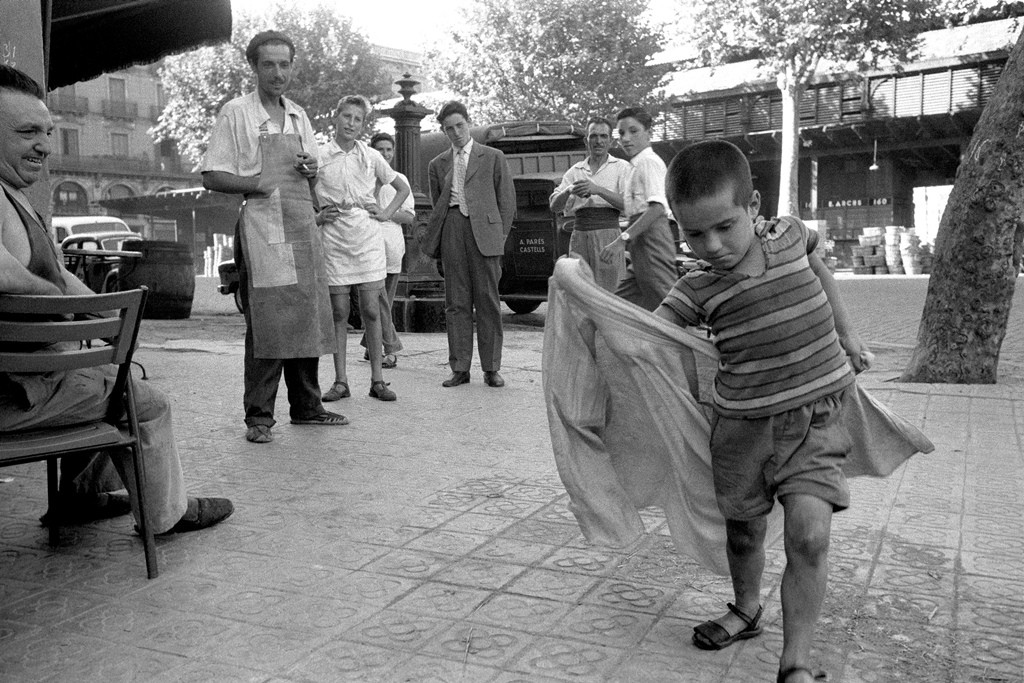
(874,162)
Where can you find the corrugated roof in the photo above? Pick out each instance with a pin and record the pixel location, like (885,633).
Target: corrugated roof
(957,44)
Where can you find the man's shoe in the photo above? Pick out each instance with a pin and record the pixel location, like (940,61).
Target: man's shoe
(74,513)
(493,379)
(456,379)
(209,511)
(379,390)
(259,434)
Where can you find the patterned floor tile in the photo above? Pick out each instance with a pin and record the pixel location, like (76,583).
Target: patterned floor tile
(441,600)
(397,629)
(344,661)
(479,644)
(628,595)
(513,551)
(568,660)
(469,571)
(425,669)
(585,561)
(409,564)
(519,612)
(445,542)
(554,585)
(603,625)
(265,649)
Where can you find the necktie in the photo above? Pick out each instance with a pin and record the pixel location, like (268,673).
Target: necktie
(460,181)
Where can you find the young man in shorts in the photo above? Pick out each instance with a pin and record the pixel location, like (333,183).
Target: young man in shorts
(353,244)
(786,348)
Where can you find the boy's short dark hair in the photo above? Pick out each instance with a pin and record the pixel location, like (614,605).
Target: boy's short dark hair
(381,137)
(453,107)
(600,121)
(267,38)
(638,113)
(703,168)
(19,81)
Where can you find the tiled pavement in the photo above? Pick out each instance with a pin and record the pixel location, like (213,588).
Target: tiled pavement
(429,541)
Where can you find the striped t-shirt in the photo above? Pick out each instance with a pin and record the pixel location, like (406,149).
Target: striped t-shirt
(774,332)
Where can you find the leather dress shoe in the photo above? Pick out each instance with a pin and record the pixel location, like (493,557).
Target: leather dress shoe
(208,511)
(456,379)
(493,379)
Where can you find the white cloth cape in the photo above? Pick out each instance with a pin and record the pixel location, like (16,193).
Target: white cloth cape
(627,433)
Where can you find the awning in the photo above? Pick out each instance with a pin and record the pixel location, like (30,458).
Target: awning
(91,37)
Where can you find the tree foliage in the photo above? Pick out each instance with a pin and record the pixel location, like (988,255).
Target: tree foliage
(332,59)
(550,59)
(792,38)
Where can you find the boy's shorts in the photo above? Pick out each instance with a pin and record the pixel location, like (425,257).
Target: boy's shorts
(394,246)
(798,451)
(359,286)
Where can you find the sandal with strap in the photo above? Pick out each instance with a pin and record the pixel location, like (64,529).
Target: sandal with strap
(259,434)
(389,361)
(339,390)
(711,636)
(816,675)
(326,418)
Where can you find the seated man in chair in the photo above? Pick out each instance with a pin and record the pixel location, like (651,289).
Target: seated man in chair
(31,264)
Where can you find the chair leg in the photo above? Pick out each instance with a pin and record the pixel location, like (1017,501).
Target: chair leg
(145,530)
(141,367)
(53,500)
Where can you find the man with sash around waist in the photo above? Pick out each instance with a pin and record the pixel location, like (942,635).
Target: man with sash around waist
(648,239)
(591,192)
(31,264)
(262,147)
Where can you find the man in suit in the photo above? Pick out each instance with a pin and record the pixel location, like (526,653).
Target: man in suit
(474,205)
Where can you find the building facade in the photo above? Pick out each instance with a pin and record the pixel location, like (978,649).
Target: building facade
(102,148)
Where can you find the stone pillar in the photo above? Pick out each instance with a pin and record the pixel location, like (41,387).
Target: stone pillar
(419,302)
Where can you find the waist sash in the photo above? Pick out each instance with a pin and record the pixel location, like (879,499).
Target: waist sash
(596,218)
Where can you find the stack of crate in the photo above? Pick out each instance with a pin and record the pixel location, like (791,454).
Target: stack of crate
(869,257)
(893,257)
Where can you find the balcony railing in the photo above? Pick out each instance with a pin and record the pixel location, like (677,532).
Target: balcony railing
(115,165)
(115,109)
(68,104)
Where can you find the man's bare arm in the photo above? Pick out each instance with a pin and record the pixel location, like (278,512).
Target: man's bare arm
(229,183)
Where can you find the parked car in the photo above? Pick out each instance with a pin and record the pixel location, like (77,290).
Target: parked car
(64,226)
(95,258)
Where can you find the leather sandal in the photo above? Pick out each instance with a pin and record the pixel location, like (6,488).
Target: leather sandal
(816,675)
(338,391)
(259,434)
(711,636)
(389,361)
(326,418)
(380,391)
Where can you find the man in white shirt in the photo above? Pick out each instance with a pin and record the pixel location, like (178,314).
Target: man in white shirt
(262,147)
(591,192)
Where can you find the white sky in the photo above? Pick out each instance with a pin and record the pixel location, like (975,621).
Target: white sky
(406,24)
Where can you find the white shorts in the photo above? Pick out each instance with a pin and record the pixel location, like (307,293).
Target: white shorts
(394,245)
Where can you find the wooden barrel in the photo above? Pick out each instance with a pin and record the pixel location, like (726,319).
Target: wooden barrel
(168,269)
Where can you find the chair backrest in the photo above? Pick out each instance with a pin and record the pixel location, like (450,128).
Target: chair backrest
(54,333)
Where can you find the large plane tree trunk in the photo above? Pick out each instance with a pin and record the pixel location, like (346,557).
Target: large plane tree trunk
(979,247)
(792,90)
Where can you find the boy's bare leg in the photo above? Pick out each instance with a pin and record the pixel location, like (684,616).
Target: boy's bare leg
(340,309)
(745,550)
(369,309)
(808,527)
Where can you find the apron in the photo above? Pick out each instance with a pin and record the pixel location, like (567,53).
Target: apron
(289,307)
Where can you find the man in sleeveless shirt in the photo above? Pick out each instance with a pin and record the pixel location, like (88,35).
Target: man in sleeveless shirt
(31,264)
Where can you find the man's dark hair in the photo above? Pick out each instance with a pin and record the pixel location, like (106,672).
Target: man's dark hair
(704,168)
(19,81)
(453,107)
(262,38)
(380,137)
(600,120)
(638,113)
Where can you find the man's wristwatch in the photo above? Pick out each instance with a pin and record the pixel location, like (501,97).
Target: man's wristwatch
(624,236)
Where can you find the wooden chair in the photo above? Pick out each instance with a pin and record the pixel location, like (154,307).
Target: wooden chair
(29,322)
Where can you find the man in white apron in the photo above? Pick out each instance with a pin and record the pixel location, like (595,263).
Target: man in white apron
(262,147)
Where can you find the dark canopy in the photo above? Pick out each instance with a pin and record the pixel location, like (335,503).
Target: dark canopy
(91,37)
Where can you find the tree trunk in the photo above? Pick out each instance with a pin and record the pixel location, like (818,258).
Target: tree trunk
(979,247)
(792,91)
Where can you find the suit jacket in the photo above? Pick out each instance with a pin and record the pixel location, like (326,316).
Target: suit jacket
(489,193)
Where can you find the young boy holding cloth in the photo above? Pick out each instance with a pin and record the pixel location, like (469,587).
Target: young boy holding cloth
(786,348)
